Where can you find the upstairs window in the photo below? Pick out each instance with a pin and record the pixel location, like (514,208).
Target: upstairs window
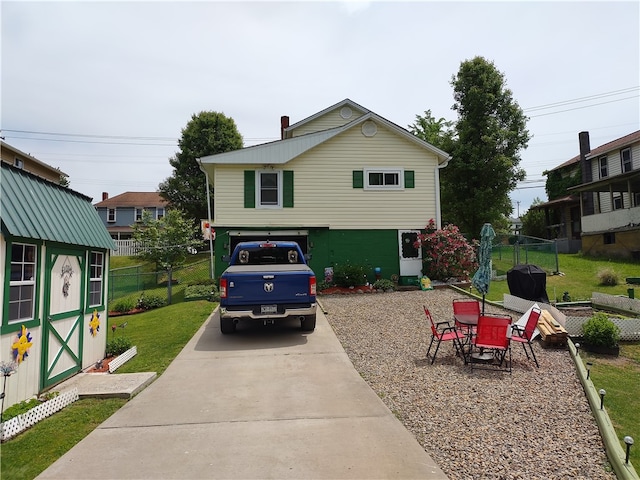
(269,189)
(111,215)
(139,211)
(95,279)
(159,213)
(384,179)
(604,167)
(22,283)
(625,159)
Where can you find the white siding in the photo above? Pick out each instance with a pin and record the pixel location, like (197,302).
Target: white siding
(323,187)
(327,121)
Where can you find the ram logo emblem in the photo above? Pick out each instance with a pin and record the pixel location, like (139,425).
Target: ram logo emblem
(268,287)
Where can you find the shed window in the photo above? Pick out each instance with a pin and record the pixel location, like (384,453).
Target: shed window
(95,280)
(22,283)
(625,159)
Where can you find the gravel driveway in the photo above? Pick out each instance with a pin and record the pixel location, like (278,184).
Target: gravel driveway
(530,424)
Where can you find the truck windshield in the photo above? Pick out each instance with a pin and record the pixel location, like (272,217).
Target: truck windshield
(268,256)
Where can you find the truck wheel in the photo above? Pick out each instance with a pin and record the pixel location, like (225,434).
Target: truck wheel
(227,325)
(309,323)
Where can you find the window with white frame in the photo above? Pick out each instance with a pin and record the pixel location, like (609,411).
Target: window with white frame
(618,202)
(269,188)
(22,283)
(384,179)
(159,213)
(625,159)
(604,167)
(95,280)
(111,215)
(139,211)
(18,163)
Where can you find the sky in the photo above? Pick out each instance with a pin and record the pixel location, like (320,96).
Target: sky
(102,90)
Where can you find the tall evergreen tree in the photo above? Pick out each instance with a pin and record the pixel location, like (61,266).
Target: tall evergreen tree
(207,133)
(490,133)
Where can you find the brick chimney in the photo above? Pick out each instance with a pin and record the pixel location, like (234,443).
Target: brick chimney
(105,196)
(587,176)
(284,124)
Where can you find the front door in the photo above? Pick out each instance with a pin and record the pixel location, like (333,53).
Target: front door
(410,256)
(65,290)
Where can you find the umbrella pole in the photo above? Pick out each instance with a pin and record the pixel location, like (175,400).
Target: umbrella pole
(483,303)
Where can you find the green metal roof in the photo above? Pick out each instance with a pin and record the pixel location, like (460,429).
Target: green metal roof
(32,207)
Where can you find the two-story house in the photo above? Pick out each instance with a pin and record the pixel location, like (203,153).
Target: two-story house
(54,259)
(607,198)
(610,196)
(121,212)
(347,184)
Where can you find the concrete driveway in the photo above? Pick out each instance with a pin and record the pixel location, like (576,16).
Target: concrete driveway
(265,402)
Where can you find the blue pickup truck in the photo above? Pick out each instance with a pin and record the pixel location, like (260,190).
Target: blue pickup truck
(266,281)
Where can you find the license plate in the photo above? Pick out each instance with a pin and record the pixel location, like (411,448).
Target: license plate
(268,309)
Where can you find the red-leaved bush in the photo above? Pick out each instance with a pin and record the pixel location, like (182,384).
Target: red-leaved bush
(446,254)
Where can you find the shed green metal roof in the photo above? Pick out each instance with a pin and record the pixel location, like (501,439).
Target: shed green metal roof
(32,207)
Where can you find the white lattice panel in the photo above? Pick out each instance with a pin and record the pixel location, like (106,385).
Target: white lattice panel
(629,328)
(121,359)
(17,424)
(623,303)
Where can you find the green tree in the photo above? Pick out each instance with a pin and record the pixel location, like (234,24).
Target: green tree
(207,133)
(533,222)
(439,133)
(490,133)
(166,241)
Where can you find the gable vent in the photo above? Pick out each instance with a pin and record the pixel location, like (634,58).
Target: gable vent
(346,112)
(369,128)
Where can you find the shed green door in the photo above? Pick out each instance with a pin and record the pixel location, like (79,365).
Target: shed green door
(65,292)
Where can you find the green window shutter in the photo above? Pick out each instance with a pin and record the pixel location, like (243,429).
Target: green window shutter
(358,179)
(409,179)
(287,188)
(249,189)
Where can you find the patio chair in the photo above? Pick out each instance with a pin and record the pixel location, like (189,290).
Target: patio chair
(465,307)
(523,335)
(493,334)
(443,332)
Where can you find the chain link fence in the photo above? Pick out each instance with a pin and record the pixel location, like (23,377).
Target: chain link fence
(133,281)
(511,250)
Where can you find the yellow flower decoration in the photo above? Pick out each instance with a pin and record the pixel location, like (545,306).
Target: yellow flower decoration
(21,346)
(94,324)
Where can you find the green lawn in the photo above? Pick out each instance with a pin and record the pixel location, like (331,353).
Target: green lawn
(579,278)
(159,335)
(621,380)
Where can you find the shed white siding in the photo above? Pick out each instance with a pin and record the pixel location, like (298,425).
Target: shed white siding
(323,186)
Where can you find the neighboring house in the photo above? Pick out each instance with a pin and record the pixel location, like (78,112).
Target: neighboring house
(608,196)
(515,225)
(54,259)
(121,212)
(24,161)
(347,184)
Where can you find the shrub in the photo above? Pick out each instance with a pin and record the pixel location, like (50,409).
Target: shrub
(446,253)
(123,305)
(148,302)
(199,291)
(117,346)
(599,331)
(383,284)
(349,275)
(608,277)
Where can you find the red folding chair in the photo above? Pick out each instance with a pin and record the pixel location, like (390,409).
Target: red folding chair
(443,332)
(524,335)
(493,334)
(466,308)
